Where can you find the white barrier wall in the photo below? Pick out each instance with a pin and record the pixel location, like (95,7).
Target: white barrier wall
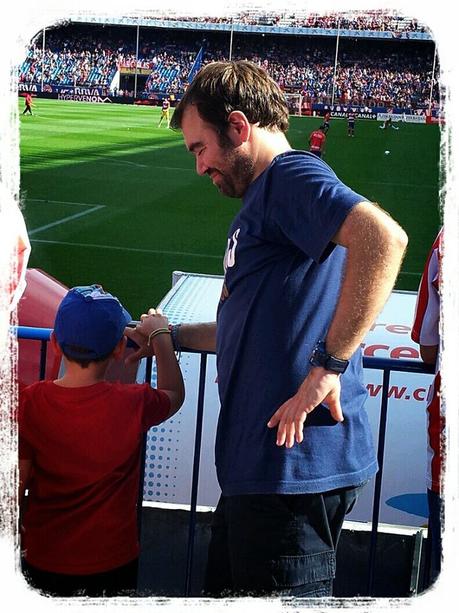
(170,446)
(401,117)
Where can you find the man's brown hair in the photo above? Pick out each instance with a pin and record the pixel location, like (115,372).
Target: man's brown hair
(222,87)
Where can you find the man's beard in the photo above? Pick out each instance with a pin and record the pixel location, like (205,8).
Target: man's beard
(239,170)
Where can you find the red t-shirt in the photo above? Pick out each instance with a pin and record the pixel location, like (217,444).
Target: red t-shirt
(316,140)
(85,445)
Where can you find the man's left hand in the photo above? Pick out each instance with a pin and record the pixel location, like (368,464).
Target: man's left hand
(320,386)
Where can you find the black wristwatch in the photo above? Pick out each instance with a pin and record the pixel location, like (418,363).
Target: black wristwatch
(320,357)
(174,330)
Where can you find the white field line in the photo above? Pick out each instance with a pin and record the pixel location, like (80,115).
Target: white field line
(392,184)
(175,168)
(132,249)
(151,251)
(63,202)
(107,160)
(66,219)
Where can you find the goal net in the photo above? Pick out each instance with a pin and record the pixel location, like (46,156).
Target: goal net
(294,103)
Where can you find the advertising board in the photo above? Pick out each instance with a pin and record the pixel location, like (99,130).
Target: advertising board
(170,446)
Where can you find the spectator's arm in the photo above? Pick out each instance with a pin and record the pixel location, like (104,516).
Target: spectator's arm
(429,353)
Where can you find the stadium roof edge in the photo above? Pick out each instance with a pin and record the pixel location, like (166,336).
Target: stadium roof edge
(247,28)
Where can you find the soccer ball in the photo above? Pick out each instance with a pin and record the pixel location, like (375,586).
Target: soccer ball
(386,152)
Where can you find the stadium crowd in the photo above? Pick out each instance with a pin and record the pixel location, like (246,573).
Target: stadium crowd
(78,59)
(377,20)
(373,20)
(368,72)
(90,58)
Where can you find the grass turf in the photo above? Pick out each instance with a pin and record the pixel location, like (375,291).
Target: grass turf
(111,198)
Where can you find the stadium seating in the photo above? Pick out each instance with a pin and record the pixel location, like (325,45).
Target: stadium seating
(368,73)
(376,20)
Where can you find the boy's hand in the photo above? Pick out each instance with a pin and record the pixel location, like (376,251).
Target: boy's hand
(143,351)
(148,323)
(151,322)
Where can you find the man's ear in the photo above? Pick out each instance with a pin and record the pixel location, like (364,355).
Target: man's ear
(55,345)
(239,127)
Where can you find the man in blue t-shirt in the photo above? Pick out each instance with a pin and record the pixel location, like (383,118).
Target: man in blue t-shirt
(309,265)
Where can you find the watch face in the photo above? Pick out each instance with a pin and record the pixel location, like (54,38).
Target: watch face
(320,357)
(319,351)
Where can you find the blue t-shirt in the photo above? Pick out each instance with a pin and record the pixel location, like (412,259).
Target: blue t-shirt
(282,281)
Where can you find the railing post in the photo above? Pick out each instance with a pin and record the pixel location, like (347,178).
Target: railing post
(195,478)
(43,349)
(143,453)
(148,369)
(378,482)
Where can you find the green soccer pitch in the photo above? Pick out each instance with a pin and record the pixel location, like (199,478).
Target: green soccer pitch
(111,198)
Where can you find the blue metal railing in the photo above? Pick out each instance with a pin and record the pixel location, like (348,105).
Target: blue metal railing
(385,365)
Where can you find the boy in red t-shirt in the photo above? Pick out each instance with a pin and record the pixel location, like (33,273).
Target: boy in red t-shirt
(80,441)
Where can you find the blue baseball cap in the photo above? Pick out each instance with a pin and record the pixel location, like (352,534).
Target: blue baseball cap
(89,322)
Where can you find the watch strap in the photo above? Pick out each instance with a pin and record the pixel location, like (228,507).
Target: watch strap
(320,357)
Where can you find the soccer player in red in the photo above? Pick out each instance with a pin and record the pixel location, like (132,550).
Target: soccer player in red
(28,104)
(317,141)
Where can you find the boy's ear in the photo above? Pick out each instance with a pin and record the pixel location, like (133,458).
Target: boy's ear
(55,345)
(118,352)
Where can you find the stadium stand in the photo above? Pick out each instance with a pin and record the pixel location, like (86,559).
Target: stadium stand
(376,20)
(369,72)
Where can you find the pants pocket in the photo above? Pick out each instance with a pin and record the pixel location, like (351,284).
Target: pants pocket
(292,574)
(291,571)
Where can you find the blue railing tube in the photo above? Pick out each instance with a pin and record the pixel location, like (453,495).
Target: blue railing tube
(34,334)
